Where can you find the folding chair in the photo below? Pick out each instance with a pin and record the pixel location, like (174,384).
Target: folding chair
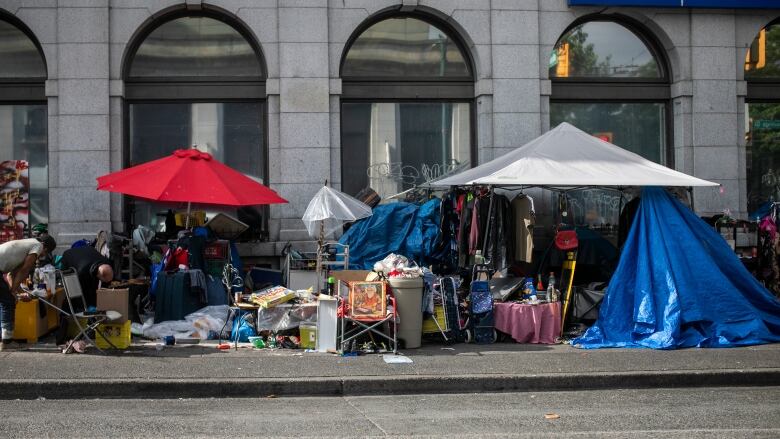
(72,287)
(364,324)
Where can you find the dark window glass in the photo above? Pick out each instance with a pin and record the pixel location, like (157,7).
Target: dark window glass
(393,146)
(195,47)
(19,58)
(763,154)
(23,137)
(602,49)
(637,127)
(407,48)
(763,58)
(231,132)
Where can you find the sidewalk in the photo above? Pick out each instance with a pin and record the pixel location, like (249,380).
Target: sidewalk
(204,371)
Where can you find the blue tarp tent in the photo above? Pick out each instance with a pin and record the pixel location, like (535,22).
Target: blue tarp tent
(403,228)
(678,284)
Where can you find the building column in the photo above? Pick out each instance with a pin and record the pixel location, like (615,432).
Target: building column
(79,124)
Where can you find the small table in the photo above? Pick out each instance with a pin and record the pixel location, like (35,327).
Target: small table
(529,323)
(235,311)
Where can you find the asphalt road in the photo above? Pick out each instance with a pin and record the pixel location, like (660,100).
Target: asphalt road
(663,413)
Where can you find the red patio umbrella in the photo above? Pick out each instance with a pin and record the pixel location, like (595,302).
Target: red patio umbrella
(190,176)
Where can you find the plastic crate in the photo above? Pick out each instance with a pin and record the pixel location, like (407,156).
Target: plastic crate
(216,250)
(197,218)
(118,335)
(429,325)
(215,267)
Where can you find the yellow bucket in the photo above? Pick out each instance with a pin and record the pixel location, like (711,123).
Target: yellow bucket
(308,335)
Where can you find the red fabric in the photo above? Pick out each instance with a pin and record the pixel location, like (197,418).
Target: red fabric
(529,323)
(566,240)
(179,256)
(189,176)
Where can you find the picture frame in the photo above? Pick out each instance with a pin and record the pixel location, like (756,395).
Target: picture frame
(367,300)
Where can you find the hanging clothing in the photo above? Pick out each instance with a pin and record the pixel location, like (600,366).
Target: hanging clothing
(768,252)
(500,233)
(524,219)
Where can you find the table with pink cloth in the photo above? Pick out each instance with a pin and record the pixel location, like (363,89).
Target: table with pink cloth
(529,323)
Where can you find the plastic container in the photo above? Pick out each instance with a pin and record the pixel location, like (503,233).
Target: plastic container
(118,335)
(308,335)
(408,296)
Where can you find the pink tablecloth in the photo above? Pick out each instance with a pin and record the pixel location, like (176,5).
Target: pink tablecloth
(529,323)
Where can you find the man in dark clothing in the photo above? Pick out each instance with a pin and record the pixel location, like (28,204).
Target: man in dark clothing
(91,268)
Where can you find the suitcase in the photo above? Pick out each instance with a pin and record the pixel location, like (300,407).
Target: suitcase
(175,296)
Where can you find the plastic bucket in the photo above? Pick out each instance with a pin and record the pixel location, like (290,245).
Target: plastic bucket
(308,335)
(408,297)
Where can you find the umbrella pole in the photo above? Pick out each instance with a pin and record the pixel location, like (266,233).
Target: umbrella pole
(187,221)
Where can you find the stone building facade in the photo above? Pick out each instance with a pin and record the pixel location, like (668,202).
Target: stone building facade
(88,90)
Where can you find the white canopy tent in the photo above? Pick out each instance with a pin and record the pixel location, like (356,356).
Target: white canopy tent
(566,157)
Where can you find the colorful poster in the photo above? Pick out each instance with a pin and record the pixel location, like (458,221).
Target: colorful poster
(14,199)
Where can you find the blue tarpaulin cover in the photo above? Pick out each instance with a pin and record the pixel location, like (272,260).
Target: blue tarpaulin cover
(678,284)
(403,228)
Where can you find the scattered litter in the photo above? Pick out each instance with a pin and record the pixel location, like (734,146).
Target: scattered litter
(448,349)
(271,396)
(396,359)
(41,398)
(552,416)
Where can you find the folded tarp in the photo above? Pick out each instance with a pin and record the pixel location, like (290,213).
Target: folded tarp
(678,284)
(402,228)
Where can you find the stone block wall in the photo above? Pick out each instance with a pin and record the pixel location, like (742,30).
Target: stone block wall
(85,43)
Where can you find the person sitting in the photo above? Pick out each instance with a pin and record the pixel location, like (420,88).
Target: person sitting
(17,259)
(91,268)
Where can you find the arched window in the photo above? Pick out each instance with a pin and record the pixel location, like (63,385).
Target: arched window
(762,108)
(195,80)
(609,79)
(407,104)
(23,111)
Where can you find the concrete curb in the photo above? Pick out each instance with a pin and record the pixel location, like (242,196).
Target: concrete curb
(138,388)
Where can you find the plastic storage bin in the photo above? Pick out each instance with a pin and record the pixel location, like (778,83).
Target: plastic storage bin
(308,335)
(119,335)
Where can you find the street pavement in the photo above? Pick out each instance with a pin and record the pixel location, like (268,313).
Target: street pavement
(194,371)
(745,412)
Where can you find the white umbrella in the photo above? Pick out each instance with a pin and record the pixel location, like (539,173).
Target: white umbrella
(330,209)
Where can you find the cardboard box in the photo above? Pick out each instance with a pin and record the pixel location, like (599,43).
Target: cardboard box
(117,299)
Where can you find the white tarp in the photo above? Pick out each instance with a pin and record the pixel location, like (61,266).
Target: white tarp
(569,157)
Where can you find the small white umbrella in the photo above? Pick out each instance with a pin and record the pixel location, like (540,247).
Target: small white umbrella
(330,209)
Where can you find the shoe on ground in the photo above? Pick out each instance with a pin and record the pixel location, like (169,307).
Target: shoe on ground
(12,347)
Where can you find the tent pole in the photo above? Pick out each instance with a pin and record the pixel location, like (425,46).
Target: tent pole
(187,221)
(690,195)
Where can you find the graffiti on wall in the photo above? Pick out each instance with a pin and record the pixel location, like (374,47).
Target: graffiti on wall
(14,199)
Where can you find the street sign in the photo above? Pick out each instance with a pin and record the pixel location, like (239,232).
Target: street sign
(766,124)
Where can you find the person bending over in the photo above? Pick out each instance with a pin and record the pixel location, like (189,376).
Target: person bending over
(91,268)
(17,259)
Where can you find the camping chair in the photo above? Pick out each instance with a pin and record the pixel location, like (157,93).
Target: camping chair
(72,287)
(366,324)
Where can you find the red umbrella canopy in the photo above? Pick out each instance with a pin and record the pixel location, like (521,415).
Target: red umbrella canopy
(189,175)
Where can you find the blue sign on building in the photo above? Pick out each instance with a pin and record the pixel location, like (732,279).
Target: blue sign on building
(728,4)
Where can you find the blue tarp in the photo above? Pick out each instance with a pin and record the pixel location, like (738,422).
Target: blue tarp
(678,284)
(403,228)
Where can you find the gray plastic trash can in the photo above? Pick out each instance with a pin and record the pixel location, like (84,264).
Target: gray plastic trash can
(408,297)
